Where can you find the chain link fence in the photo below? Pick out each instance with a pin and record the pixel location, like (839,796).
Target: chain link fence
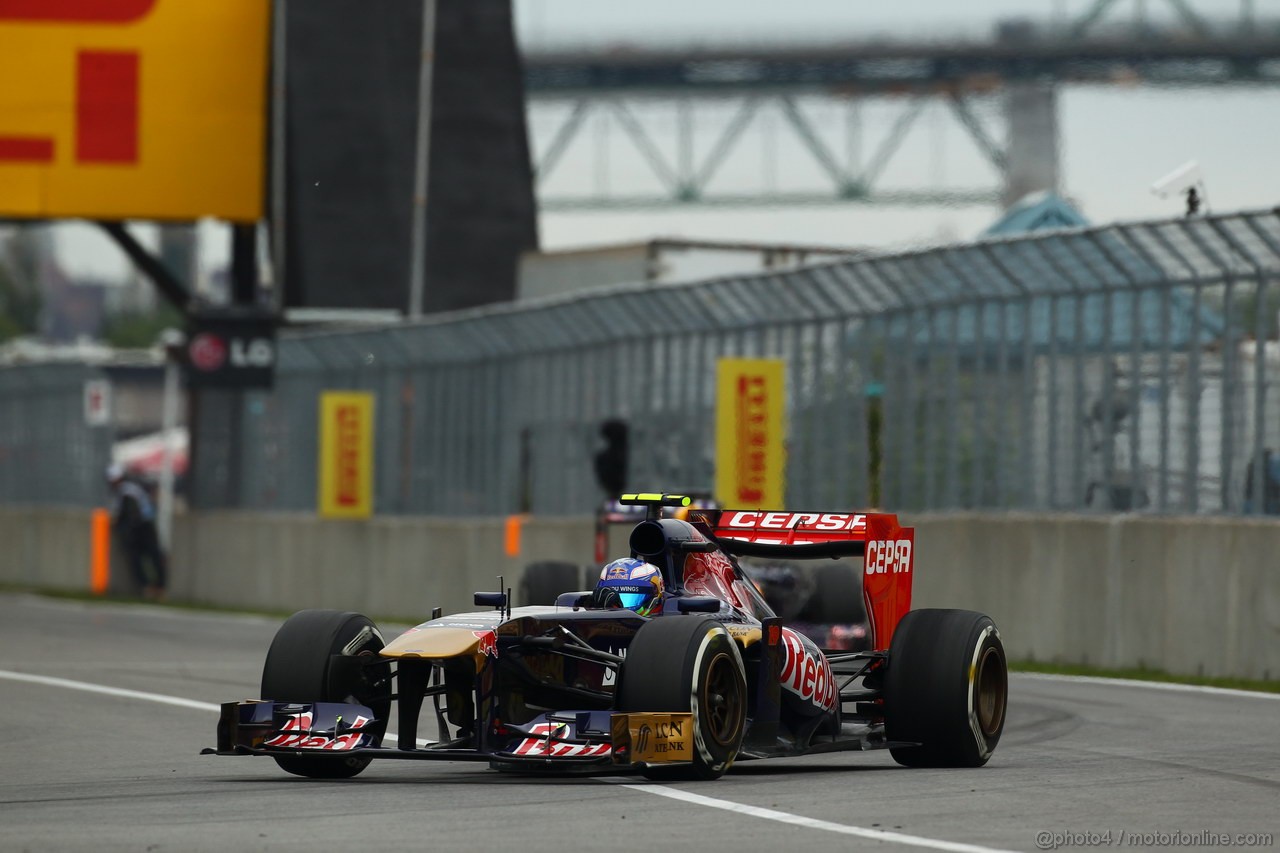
(49,453)
(1123,368)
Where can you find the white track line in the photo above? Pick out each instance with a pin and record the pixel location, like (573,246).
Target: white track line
(807,822)
(659,790)
(88,687)
(109,691)
(1153,685)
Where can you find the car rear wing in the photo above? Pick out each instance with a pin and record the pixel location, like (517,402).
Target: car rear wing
(887,550)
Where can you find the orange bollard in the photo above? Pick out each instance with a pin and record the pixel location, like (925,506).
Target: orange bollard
(514,523)
(100,552)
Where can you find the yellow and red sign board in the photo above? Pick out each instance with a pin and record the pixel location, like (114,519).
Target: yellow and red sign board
(346,454)
(133,109)
(750,433)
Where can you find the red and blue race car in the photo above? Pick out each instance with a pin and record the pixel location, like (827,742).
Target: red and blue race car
(698,676)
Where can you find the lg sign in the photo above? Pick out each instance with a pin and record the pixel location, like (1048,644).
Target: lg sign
(238,353)
(209,352)
(258,352)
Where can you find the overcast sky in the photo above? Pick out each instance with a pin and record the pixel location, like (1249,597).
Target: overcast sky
(552,22)
(1114,141)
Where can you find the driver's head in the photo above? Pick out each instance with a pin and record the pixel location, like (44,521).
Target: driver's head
(630,584)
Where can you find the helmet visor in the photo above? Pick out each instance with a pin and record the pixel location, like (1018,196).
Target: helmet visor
(633,600)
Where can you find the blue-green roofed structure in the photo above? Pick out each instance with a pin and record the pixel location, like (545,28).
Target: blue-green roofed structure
(1036,212)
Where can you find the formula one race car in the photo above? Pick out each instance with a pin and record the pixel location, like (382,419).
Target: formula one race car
(674,667)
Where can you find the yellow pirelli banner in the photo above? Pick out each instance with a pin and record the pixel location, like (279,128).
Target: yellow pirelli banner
(346,454)
(133,109)
(750,433)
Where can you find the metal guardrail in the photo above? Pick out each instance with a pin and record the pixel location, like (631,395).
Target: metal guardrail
(1123,368)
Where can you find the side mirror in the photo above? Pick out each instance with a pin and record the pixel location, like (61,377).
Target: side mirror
(698,604)
(491,599)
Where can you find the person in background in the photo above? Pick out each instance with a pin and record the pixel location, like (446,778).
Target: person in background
(133,515)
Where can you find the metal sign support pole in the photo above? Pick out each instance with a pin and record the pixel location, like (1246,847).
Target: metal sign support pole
(422,162)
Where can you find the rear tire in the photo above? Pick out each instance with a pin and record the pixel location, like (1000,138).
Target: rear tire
(946,687)
(681,664)
(543,582)
(299,669)
(837,595)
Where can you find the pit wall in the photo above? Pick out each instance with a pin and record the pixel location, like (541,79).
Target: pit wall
(1198,596)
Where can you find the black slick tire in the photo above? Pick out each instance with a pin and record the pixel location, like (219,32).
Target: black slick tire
(686,663)
(543,581)
(299,668)
(946,687)
(837,595)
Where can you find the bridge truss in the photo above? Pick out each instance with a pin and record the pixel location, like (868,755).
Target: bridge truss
(858,122)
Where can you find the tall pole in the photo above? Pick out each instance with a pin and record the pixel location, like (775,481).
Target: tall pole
(278,104)
(418,237)
(169,427)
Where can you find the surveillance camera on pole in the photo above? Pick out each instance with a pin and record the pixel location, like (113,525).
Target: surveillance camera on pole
(1186,180)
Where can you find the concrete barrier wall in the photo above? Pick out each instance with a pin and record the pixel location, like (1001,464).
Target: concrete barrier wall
(1197,596)
(1186,595)
(398,567)
(45,547)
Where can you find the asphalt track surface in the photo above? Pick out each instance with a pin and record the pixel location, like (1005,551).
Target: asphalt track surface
(106,707)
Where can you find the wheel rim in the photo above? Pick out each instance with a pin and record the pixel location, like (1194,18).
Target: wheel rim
(992,689)
(723,694)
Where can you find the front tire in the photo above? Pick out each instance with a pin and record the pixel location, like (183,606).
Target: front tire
(682,664)
(299,668)
(946,688)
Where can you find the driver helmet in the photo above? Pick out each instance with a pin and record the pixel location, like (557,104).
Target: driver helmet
(631,584)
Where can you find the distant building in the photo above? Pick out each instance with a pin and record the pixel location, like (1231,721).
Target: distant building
(1036,212)
(659,262)
(73,310)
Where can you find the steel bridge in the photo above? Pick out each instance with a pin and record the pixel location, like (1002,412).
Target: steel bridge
(684,113)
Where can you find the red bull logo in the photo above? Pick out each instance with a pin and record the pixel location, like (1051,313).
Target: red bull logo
(295,723)
(547,742)
(806,674)
(296,733)
(488,643)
